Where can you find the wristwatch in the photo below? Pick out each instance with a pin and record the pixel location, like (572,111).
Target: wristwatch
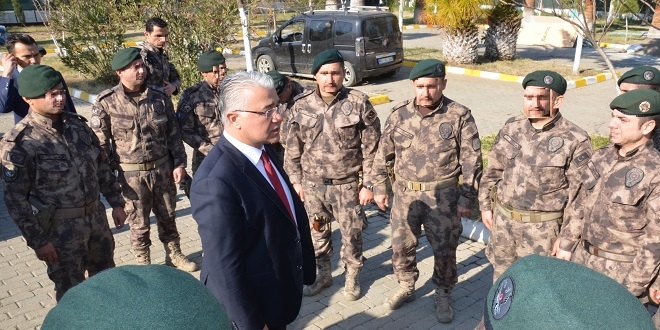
(370,188)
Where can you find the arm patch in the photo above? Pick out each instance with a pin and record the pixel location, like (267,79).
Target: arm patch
(582,159)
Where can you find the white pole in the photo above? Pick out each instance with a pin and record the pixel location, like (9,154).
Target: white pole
(246,36)
(578,54)
(401,4)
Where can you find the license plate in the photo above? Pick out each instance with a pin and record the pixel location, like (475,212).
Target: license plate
(385,60)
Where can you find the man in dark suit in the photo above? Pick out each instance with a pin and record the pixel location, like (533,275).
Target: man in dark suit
(255,232)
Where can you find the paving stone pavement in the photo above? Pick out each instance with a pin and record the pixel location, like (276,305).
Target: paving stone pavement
(26,293)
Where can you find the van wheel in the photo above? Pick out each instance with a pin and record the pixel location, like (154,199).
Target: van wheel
(350,77)
(265,64)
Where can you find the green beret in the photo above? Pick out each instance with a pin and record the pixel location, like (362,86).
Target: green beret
(208,60)
(325,57)
(36,80)
(279,80)
(641,75)
(138,297)
(427,68)
(124,57)
(638,103)
(546,79)
(539,292)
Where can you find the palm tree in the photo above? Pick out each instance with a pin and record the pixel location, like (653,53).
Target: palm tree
(419,10)
(502,34)
(458,20)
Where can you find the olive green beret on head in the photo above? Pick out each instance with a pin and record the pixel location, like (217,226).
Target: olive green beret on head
(124,57)
(546,79)
(36,80)
(325,57)
(641,75)
(208,60)
(638,103)
(538,292)
(428,68)
(279,80)
(138,297)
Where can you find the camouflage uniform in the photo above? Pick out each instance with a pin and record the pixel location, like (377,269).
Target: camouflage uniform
(146,134)
(533,171)
(617,217)
(327,146)
(286,110)
(66,169)
(200,120)
(430,153)
(160,68)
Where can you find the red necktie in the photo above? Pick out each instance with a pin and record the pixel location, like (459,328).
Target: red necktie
(275,181)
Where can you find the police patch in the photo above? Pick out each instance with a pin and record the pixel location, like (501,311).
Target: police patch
(633,177)
(582,159)
(548,80)
(85,138)
(503,298)
(346,108)
(95,122)
(476,143)
(555,143)
(445,130)
(649,75)
(645,106)
(9,172)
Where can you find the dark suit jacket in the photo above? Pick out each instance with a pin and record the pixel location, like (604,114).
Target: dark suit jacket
(255,260)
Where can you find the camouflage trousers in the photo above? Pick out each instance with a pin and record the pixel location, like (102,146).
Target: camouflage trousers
(143,192)
(615,270)
(511,240)
(82,244)
(339,202)
(436,210)
(197,159)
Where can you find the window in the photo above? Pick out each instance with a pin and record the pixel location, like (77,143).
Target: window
(344,33)
(293,32)
(377,28)
(320,30)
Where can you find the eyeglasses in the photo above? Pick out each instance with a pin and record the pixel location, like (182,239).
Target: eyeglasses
(268,113)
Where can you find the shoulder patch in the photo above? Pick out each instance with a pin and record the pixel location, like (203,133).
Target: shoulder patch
(401,105)
(370,117)
(157,89)
(16,157)
(510,120)
(76,116)
(582,159)
(357,93)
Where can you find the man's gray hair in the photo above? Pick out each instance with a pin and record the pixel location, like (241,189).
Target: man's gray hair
(231,96)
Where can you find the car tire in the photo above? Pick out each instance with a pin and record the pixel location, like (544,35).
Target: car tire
(265,64)
(350,76)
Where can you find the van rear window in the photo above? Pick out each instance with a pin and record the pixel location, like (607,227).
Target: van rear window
(377,28)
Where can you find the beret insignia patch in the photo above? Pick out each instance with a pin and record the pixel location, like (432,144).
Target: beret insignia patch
(648,75)
(548,80)
(445,130)
(503,298)
(438,68)
(9,172)
(633,177)
(346,108)
(645,106)
(555,143)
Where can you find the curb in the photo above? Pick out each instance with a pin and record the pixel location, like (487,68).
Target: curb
(580,82)
(91,98)
(379,99)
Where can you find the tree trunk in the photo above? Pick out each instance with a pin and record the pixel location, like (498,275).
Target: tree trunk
(331,4)
(419,8)
(528,12)
(610,12)
(590,14)
(461,48)
(654,29)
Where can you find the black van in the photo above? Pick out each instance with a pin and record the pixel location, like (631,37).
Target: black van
(370,42)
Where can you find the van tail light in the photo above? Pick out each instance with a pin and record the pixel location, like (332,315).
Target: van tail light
(359,46)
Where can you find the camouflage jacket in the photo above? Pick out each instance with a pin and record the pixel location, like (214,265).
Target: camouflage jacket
(618,210)
(199,117)
(160,68)
(286,110)
(332,141)
(137,134)
(441,145)
(535,170)
(66,170)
